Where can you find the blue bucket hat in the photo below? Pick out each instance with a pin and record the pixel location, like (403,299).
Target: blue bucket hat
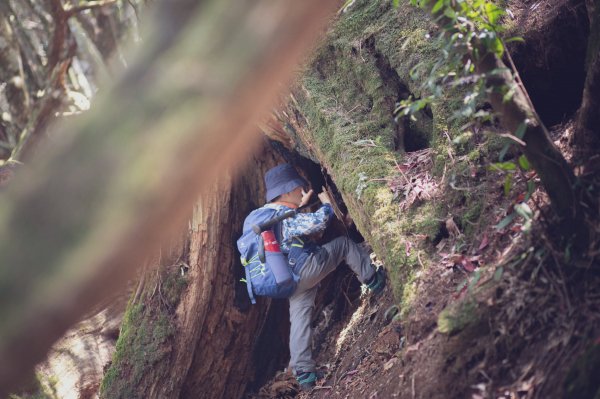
(282,179)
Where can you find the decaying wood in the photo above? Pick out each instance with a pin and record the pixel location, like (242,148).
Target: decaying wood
(214,348)
(78,221)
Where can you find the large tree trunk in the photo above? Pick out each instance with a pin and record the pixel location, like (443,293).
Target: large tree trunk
(214,327)
(218,328)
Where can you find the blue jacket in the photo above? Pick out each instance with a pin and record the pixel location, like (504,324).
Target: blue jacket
(295,231)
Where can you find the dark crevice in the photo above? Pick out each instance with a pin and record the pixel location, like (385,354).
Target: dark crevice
(551,62)
(410,135)
(441,234)
(272,352)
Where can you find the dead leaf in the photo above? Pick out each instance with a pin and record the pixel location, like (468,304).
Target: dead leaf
(484,242)
(390,363)
(452,228)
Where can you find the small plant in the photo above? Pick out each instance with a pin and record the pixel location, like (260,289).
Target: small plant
(362,184)
(510,169)
(469,27)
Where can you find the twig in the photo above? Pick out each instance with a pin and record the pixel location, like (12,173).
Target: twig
(346,296)
(520,83)
(135,10)
(401,172)
(71,10)
(419,259)
(450,147)
(347,372)
(513,138)
(412,386)
(50,102)
(563,284)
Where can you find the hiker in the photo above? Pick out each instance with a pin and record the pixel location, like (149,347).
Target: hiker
(310,262)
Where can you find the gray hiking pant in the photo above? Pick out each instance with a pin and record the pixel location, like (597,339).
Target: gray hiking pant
(302,303)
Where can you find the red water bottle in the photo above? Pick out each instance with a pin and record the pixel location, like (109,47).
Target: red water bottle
(275,259)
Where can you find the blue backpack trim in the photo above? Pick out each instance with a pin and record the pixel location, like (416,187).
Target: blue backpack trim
(260,279)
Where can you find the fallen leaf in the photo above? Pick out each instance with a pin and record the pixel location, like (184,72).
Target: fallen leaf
(452,228)
(484,242)
(390,363)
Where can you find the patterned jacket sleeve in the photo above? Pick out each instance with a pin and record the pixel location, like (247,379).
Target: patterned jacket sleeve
(307,223)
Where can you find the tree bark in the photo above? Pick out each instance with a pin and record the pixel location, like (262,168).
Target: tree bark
(586,138)
(215,327)
(74,226)
(217,332)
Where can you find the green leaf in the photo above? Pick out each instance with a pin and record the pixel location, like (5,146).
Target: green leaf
(526,228)
(507,184)
(505,166)
(524,163)
(505,222)
(515,39)
(524,210)
(396,3)
(462,285)
(493,13)
(475,279)
(503,151)
(498,273)
(530,189)
(450,13)
(438,6)
(520,132)
(509,93)
(497,47)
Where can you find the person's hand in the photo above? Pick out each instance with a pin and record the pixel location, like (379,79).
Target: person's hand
(306,197)
(324,197)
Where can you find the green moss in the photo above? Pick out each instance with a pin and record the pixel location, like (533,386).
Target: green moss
(145,333)
(474,155)
(457,316)
(39,387)
(348,96)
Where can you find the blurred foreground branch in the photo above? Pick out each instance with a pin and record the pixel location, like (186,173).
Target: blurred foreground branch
(123,178)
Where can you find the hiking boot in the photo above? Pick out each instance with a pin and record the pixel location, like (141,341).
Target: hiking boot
(306,380)
(377,283)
